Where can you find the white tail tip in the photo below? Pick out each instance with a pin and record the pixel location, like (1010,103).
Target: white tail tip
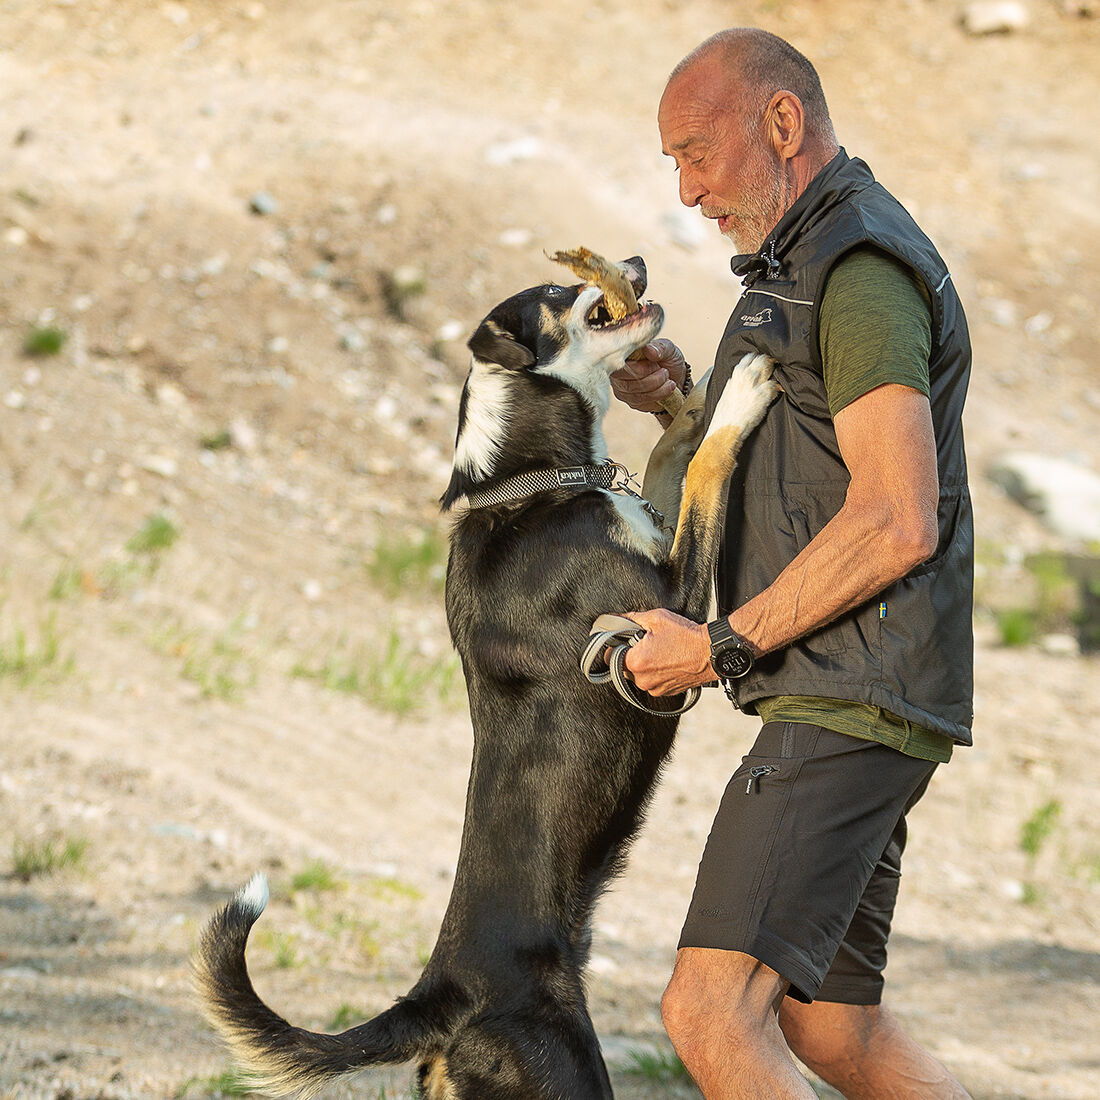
(254,896)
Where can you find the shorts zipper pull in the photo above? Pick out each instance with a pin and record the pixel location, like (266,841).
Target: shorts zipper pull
(755,774)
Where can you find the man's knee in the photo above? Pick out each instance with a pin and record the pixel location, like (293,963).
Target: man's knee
(681,1008)
(715,992)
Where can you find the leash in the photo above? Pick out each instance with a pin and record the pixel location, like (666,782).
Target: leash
(618,634)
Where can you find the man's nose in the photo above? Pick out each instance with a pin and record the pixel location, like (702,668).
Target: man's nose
(690,190)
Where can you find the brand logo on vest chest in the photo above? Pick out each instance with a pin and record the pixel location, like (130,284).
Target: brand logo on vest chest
(755,320)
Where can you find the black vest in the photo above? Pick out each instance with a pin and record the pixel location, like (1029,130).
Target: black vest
(909,650)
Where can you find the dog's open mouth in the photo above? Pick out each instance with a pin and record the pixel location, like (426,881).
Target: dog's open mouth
(599,316)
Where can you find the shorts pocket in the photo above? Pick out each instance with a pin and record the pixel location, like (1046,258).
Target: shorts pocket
(760,790)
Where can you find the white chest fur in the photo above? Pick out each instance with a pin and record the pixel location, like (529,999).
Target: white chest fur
(637,529)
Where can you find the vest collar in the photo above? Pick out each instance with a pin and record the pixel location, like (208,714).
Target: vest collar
(841,176)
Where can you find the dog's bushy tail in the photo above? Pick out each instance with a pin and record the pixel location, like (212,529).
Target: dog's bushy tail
(277,1057)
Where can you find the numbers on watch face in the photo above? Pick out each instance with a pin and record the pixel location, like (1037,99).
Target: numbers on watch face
(733,663)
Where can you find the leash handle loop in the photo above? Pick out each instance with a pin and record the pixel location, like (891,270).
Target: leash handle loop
(618,634)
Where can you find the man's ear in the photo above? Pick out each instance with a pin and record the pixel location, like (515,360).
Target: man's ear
(493,344)
(785,119)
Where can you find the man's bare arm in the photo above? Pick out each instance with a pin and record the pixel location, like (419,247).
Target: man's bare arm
(886,526)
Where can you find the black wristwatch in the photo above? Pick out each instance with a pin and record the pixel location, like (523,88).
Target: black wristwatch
(730,655)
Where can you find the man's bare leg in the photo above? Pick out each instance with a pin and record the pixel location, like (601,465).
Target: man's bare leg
(720,1012)
(863,1052)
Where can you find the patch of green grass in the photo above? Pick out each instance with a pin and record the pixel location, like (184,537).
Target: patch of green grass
(401,563)
(1046,597)
(316,875)
(221,665)
(401,286)
(1018,626)
(69,582)
(393,677)
(283,948)
(45,340)
(217,440)
(657,1066)
(346,1016)
(1030,894)
(1090,866)
(26,661)
(386,887)
(45,857)
(119,575)
(1056,595)
(230,1082)
(1038,827)
(156,534)
(349,929)
(44,504)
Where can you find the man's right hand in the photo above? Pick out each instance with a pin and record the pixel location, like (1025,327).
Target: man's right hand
(643,383)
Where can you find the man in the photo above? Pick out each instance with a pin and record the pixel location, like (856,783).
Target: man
(844,585)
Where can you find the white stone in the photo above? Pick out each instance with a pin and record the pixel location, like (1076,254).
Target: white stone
(162,465)
(242,435)
(1065,496)
(512,152)
(515,238)
(1060,645)
(995,16)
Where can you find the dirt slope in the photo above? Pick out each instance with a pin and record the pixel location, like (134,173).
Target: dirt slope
(255,378)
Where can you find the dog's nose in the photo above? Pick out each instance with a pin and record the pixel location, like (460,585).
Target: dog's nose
(636,273)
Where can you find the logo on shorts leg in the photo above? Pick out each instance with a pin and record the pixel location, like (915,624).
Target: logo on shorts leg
(717,912)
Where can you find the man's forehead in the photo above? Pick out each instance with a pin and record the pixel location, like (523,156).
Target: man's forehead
(684,124)
(694,101)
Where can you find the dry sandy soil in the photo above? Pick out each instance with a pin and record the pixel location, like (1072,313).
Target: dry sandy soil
(244,375)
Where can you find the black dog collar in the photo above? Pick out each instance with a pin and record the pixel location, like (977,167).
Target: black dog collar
(607,475)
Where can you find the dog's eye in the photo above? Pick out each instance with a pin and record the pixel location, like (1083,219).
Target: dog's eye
(555,291)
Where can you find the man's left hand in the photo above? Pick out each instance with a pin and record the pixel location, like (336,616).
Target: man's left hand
(673,656)
(645,382)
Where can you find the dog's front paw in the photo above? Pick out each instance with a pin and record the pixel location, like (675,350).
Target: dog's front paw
(748,393)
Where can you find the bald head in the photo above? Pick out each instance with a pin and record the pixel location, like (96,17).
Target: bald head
(744,118)
(758,64)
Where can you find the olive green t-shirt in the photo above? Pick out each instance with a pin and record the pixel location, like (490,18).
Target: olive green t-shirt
(875,327)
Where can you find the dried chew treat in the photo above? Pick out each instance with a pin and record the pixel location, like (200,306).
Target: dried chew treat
(618,296)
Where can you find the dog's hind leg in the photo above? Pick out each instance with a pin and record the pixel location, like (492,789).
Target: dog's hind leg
(663,484)
(741,407)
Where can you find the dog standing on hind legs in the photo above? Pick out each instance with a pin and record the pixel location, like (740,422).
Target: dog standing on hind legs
(562,770)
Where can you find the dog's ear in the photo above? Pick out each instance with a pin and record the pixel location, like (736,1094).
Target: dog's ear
(494,344)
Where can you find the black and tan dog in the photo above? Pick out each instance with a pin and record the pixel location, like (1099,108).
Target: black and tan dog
(562,770)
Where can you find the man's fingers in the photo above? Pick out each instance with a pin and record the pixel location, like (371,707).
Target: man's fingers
(650,384)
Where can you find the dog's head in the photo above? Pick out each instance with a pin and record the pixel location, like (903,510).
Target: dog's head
(539,383)
(566,331)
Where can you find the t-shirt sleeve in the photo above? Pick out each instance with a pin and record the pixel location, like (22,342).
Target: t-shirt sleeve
(874,326)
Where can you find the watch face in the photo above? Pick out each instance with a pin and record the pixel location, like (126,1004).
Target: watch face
(733,662)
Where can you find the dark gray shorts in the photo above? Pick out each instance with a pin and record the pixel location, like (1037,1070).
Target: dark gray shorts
(802,864)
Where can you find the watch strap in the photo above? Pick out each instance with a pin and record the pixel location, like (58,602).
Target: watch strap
(722,633)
